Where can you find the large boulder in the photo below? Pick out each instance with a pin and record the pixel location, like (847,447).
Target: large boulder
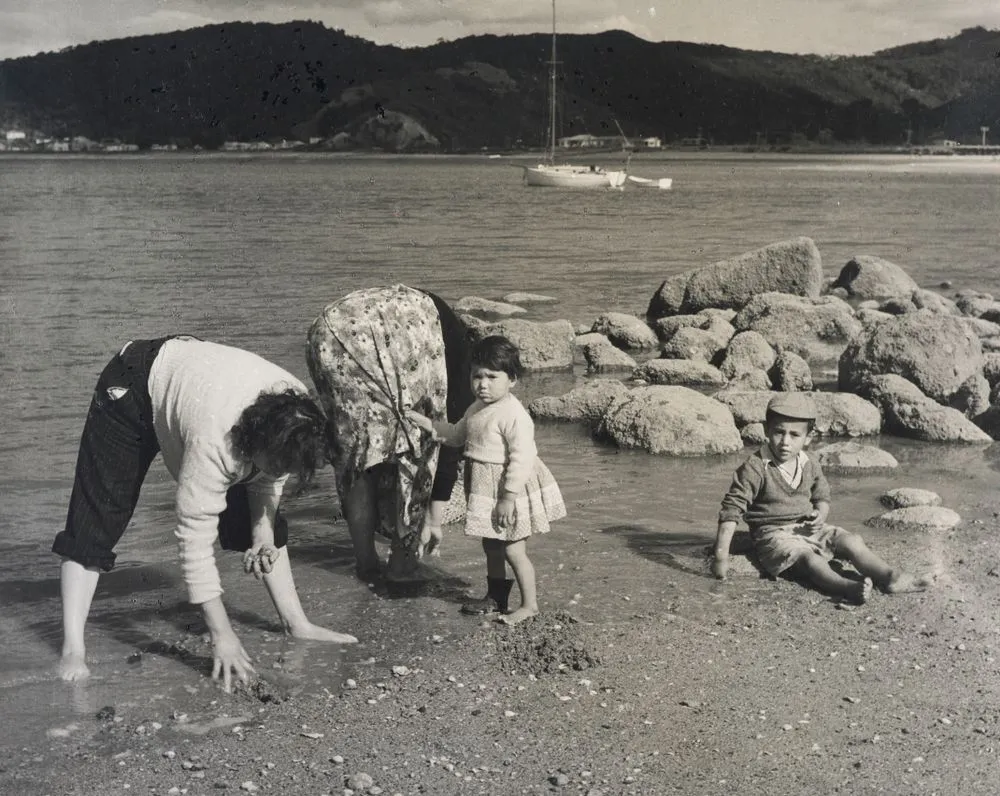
(603,357)
(791,373)
(817,329)
(916,518)
(544,346)
(747,351)
(625,331)
(791,266)
(938,353)
(699,343)
(868,277)
(904,497)
(838,414)
(587,402)
(907,412)
(851,456)
(679,371)
(676,421)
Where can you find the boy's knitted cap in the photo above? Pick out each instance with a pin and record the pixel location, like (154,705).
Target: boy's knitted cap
(796,405)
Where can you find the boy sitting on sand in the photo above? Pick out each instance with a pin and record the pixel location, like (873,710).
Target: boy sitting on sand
(784,498)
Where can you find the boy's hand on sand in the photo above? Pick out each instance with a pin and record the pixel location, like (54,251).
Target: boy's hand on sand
(720,567)
(229,658)
(259,560)
(506,512)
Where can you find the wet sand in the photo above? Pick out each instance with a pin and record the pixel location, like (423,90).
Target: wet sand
(682,685)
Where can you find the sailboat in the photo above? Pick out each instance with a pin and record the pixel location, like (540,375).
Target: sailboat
(552,175)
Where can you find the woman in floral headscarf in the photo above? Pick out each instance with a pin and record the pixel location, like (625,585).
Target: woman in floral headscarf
(374,354)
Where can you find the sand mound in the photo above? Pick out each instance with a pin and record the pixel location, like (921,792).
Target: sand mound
(546,644)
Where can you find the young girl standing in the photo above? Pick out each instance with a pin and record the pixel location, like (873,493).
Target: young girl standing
(511,493)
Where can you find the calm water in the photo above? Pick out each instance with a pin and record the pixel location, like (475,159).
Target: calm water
(247,250)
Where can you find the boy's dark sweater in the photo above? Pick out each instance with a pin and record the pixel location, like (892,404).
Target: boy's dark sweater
(760,496)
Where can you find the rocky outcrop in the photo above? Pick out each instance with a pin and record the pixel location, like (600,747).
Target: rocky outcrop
(817,329)
(907,412)
(586,403)
(791,266)
(916,518)
(868,277)
(604,357)
(852,456)
(791,373)
(679,372)
(838,414)
(937,353)
(747,351)
(544,346)
(676,421)
(905,497)
(625,331)
(699,343)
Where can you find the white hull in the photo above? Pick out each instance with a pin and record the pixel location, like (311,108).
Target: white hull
(545,176)
(663,184)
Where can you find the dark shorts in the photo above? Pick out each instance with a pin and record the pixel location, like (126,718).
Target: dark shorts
(117,446)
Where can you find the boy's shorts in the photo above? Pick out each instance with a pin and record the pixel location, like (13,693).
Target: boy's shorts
(779,546)
(117,446)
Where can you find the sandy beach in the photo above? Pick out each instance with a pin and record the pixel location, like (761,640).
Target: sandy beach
(687,685)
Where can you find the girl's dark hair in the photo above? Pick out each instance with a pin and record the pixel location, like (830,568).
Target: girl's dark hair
(496,352)
(287,427)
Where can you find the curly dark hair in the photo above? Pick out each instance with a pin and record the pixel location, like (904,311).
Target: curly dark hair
(496,352)
(289,428)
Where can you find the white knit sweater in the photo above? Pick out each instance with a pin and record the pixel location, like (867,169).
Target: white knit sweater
(198,391)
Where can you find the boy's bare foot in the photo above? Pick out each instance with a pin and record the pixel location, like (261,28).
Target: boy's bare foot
(73,666)
(311,632)
(862,592)
(514,617)
(900,582)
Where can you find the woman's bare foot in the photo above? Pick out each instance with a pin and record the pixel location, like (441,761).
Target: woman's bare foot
(862,592)
(514,617)
(73,666)
(313,632)
(900,582)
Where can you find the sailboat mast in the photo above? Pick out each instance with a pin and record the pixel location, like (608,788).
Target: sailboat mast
(552,89)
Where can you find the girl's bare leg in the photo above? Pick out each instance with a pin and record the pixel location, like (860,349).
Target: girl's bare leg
(77,585)
(517,556)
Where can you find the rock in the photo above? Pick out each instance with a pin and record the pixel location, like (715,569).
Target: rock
(747,351)
(852,456)
(934,302)
(755,379)
(754,434)
(559,780)
(868,277)
(677,421)
(679,371)
(906,497)
(937,353)
(973,303)
(897,306)
(919,518)
(604,357)
(700,344)
(791,266)
(989,422)
(359,781)
(667,327)
(981,328)
(838,414)
(588,337)
(907,412)
(973,397)
(991,367)
(544,346)
(813,328)
(487,307)
(790,373)
(625,331)
(529,298)
(587,402)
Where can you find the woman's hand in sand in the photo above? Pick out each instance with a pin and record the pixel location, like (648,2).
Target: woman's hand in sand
(229,658)
(720,567)
(259,560)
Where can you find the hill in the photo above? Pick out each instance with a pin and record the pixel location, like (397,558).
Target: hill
(267,82)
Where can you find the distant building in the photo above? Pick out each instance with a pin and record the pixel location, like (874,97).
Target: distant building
(651,142)
(15,135)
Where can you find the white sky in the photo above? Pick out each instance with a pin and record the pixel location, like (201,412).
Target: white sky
(845,27)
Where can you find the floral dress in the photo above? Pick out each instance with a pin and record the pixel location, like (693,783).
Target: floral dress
(372,355)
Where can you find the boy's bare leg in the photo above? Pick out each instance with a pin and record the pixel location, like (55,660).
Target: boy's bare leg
(77,585)
(361,512)
(281,588)
(853,548)
(817,570)
(516,554)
